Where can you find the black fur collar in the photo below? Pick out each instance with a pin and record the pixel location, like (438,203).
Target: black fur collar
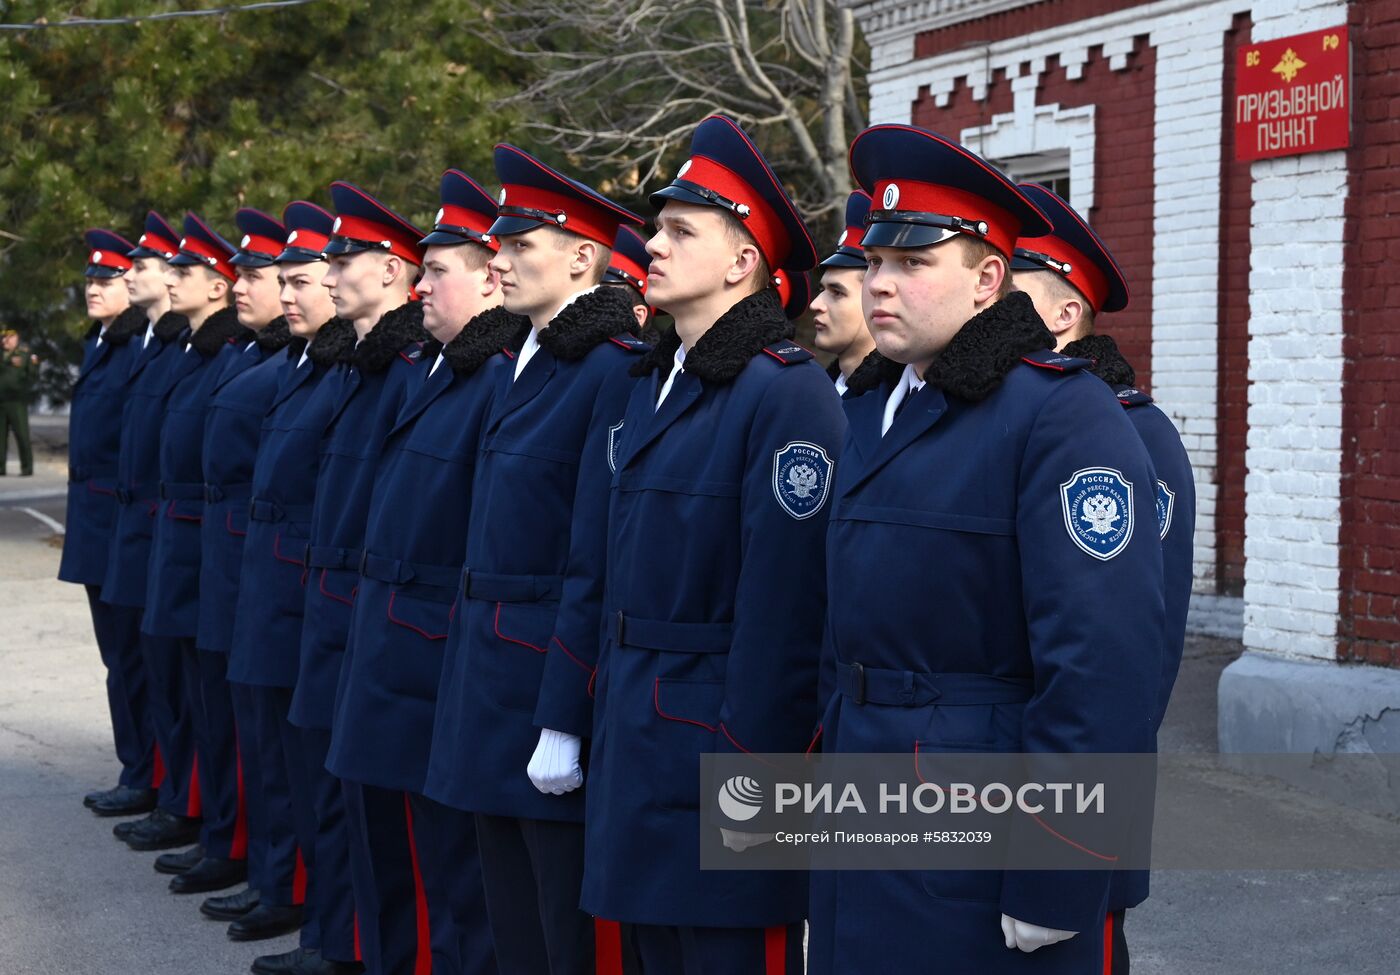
(484,336)
(296,347)
(1103,352)
(977,359)
(219,329)
(394,330)
(722,353)
(274,335)
(587,321)
(124,326)
(169,326)
(333,343)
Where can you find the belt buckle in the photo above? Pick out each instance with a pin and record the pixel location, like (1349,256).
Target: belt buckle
(859,671)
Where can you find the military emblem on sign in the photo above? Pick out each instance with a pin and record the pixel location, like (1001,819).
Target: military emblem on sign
(614,442)
(801,478)
(1166,503)
(1098,509)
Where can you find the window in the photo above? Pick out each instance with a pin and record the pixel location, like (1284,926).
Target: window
(1049,169)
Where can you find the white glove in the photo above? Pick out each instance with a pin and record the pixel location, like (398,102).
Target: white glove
(1029,937)
(739,842)
(554,768)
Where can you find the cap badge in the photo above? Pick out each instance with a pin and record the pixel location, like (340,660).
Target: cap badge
(96,257)
(335,227)
(247,239)
(501,198)
(891,199)
(291,238)
(438,218)
(685,168)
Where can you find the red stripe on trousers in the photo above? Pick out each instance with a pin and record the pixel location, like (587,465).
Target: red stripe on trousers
(239,849)
(1108,944)
(423,964)
(607,953)
(775,950)
(299,880)
(157,768)
(194,807)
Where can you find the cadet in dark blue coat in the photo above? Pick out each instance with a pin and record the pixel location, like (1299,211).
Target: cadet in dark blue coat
(267,621)
(409,575)
(714,594)
(374,256)
(198,278)
(155,369)
(1072,278)
(504,747)
(837,318)
(94,438)
(1011,484)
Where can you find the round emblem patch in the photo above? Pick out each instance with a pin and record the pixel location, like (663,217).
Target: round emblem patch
(1098,509)
(891,198)
(685,168)
(96,257)
(501,198)
(801,478)
(291,237)
(335,227)
(247,239)
(1166,506)
(438,218)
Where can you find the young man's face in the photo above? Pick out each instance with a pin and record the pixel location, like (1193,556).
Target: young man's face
(692,255)
(534,270)
(455,283)
(106,298)
(357,282)
(192,287)
(917,298)
(837,315)
(145,281)
(305,301)
(255,296)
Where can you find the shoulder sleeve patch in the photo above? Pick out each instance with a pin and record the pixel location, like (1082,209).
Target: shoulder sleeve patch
(1130,396)
(1055,362)
(629,342)
(788,353)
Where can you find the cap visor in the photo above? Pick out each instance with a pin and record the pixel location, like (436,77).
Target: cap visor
(136,252)
(183,260)
(505,226)
(844,258)
(905,235)
(1026,264)
(441,238)
(343,245)
(298,255)
(102,271)
(246,259)
(680,193)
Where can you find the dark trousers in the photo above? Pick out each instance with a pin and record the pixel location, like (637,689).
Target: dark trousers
(224,833)
(1115,944)
(533,872)
(460,934)
(330,899)
(118,633)
(173,719)
(272,838)
(670,950)
(14,418)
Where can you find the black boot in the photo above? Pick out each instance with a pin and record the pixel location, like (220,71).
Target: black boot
(324,966)
(91,798)
(230,907)
(125,801)
(123,830)
(283,964)
(179,862)
(211,873)
(265,921)
(163,831)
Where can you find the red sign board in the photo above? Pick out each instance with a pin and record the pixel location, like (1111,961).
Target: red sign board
(1293,95)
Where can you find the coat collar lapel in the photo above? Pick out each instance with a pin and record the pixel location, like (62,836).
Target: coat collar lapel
(925,408)
(532,379)
(428,391)
(652,423)
(292,381)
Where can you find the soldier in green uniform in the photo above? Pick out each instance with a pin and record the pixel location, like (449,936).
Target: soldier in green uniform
(17,371)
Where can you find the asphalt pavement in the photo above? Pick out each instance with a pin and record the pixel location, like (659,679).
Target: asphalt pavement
(75,901)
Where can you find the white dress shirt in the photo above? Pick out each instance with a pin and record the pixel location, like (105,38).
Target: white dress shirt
(841,386)
(677,367)
(909,384)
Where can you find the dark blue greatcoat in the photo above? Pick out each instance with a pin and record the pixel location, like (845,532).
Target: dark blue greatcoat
(232,428)
(156,367)
(172,603)
(1176,522)
(373,387)
(267,623)
(94,440)
(518,585)
(1001,589)
(414,543)
(713,613)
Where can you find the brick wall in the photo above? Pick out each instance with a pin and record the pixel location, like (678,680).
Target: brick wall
(1370,534)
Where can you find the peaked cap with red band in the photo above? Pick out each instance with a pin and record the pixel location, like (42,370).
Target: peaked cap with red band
(1074,252)
(726,170)
(928,190)
(308,233)
(262,239)
(848,252)
(465,216)
(158,239)
(106,254)
(362,223)
(630,261)
(533,196)
(794,291)
(202,245)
